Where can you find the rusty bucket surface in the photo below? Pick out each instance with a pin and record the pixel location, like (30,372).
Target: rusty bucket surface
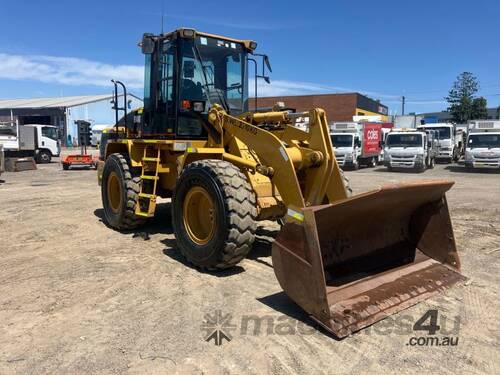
(355,262)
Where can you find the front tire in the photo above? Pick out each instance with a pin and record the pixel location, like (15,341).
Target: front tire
(43,157)
(432,163)
(213,214)
(120,194)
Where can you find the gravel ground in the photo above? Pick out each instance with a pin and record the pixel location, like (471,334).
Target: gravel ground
(79,297)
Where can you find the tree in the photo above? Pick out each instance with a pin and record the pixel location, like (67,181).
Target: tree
(479,108)
(463,105)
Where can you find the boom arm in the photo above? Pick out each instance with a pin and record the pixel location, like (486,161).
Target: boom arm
(286,152)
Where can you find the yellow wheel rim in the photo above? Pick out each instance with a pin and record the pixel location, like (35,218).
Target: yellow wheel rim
(114,192)
(199,215)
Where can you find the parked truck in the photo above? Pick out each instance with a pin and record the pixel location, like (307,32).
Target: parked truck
(483,145)
(449,144)
(356,144)
(38,141)
(410,149)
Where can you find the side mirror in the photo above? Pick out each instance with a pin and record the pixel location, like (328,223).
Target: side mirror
(268,64)
(147,44)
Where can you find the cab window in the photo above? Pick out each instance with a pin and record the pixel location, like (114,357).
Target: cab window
(49,132)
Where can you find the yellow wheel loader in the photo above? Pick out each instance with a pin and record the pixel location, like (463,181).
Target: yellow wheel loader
(348,261)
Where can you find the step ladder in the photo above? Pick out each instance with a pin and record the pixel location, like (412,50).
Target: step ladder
(146,203)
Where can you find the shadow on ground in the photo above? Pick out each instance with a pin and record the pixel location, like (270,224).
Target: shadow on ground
(462,169)
(261,251)
(281,303)
(173,252)
(396,170)
(160,224)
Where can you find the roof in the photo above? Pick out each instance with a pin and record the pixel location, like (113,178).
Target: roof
(57,102)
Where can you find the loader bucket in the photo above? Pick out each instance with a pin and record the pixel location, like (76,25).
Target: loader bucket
(361,259)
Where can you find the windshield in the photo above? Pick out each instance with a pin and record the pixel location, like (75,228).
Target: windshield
(49,132)
(484,140)
(342,140)
(404,140)
(442,132)
(214,70)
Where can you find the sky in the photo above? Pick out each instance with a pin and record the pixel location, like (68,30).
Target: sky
(384,49)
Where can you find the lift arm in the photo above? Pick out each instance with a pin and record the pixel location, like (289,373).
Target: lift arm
(285,152)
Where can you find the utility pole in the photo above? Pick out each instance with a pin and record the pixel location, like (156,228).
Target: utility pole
(403,105)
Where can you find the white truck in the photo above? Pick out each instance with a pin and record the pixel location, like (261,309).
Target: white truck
(449,147)
(410,149)
(482,149)
(38,141)
(356,144)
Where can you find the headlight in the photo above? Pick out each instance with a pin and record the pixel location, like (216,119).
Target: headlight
(468,155)
(419,157)
(348,156)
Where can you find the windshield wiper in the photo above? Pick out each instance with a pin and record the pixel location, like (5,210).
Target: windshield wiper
(221,97)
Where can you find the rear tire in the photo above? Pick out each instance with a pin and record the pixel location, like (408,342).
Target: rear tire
(65,167)
(120,194)
(214,214)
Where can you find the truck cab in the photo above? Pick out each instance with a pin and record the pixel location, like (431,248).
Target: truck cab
(356,144)
(448,149)
(482,149)
(33,140)
(410,149)
(47,142)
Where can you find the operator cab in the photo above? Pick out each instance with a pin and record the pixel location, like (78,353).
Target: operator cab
(187,72)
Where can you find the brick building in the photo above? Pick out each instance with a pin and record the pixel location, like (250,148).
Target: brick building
(338,107)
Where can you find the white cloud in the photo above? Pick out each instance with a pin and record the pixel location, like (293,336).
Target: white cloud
(285,87)
(82,72)
(67,71)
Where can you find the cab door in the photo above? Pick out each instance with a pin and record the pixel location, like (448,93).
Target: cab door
(160,91)
(48,139)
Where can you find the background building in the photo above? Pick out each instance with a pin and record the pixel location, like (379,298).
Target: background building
(338,107)
(63,111)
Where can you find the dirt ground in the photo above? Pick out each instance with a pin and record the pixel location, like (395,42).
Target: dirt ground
(79,297)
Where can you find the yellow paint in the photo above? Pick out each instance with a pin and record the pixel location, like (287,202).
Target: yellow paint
(364,112)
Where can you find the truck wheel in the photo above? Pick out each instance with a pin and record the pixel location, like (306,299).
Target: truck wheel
(347,183)
(372,163)
(213,214)
(432,163)
(43,157)
(355,165)
(120,193)
(65,167)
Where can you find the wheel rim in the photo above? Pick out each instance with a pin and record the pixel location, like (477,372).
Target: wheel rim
(199,215)
(114,192)
(44,157)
